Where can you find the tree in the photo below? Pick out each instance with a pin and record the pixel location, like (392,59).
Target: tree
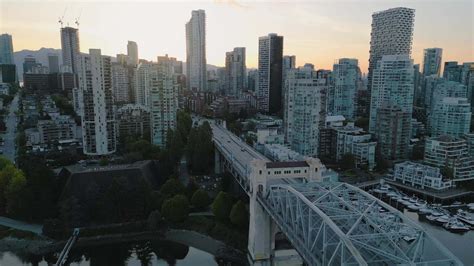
(362,122)
(184,123)
(103,161)
(222,206)
(175,209)
(147,150)
(348,161)
(200,149)
(238,215)
(200,199)
(172,187)
(447,172)
(191,188)
(249,140)
(153,221)
(15,195)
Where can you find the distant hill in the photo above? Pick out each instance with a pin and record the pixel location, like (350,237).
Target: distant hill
(41,56)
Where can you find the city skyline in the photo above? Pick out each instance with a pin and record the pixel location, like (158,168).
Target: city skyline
(341,29)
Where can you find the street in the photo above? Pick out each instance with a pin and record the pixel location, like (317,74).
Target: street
(11,121)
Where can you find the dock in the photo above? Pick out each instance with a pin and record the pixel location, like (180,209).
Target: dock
(436,196)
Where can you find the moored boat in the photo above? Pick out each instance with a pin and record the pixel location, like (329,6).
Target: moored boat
(442,219)
(464,217)
(455,225)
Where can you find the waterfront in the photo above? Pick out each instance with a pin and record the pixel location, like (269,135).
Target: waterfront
(460,244)
(131,254)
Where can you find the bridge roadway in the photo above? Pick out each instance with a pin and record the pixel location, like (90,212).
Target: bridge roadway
(334,223)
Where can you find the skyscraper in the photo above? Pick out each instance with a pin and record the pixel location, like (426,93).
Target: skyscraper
(70,48)
(142,75)
(98,121)
(346,79)
(120,83)
(29,64)
(288,63)
(452,71)
(236,71)
(6,49)
(432,61)
(53,63)
(392,91)
(392,34)
(132,52)
(270,66)
(304,112)
(164,99)
(196,51)
(450,116)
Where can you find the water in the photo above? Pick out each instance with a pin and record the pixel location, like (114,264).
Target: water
(460,244)
(155,252)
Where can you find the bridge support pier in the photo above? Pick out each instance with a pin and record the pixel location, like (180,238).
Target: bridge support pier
(260,241)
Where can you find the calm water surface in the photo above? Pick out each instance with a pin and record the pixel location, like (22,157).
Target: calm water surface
(131,254)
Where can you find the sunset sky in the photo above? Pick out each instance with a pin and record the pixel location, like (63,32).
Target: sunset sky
(317,32)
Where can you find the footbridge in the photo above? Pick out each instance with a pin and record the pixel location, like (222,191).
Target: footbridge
(328,223)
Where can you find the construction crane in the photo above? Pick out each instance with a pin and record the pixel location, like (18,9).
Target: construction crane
(77,19)
(61,18)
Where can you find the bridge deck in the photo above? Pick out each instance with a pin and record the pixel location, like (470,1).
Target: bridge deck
(240,150)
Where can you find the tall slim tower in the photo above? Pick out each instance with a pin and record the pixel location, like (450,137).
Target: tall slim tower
(98,121)
(196,51)
(392,34)
(346,79)
(270,57)
(70,48)
(53,63)
(391,105)
(6,49)
(164,99)
(304,110)
(432,61)
(236,71)
(132,52)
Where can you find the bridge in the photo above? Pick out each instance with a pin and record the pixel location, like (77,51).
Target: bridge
(328,223)
(67,248)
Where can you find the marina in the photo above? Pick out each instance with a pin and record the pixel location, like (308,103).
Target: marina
(452,223)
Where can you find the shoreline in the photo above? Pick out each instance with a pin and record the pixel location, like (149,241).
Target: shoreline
(186,237)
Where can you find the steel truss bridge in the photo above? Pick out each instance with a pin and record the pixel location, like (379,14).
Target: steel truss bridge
(333,223)
(339,224)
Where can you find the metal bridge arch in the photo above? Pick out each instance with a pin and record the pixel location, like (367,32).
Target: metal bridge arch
(336,223)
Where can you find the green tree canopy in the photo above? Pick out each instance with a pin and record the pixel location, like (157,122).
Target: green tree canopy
(172,187)
(15,195)
(175,209)
(222,206)
(200,149)
(348,161)
(200,199)
(184,124)
(238,215)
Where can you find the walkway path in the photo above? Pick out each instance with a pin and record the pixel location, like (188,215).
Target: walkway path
(20,225)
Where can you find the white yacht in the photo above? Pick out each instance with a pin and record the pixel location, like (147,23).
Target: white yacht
(443,219)
(465,218)
(455,225)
